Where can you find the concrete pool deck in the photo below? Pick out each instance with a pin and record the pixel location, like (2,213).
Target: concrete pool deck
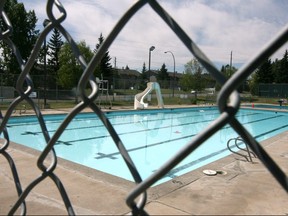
(243,188)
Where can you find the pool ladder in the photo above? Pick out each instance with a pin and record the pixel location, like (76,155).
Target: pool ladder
(237,142)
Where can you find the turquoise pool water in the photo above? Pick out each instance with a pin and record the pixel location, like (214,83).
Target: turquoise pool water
(151,137)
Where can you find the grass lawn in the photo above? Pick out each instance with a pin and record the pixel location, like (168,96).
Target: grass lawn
(168,100)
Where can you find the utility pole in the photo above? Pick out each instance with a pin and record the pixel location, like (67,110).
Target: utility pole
(115,61)
(230,64)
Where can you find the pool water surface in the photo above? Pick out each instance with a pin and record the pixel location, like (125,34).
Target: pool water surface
(151,137)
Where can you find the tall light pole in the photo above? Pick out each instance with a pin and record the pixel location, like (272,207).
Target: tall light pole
(173,73)
(150,50)
(45,23)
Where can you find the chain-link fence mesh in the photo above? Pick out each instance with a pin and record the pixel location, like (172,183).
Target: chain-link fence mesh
(228,102)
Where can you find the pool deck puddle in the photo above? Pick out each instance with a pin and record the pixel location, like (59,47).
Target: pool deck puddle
(238,188)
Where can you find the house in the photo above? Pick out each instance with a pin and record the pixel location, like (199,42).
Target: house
(127,74)
(126,78)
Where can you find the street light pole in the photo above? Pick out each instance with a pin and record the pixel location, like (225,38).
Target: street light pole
(150,50)
(173,73)
(45,23)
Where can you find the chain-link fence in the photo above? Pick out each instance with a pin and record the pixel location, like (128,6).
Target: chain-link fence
(228,103)
(273,90)
(47,86)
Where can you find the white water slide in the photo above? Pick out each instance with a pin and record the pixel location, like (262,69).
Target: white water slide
(139,98)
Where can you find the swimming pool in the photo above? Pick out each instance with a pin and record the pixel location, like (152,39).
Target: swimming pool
(268,106)
(151,137)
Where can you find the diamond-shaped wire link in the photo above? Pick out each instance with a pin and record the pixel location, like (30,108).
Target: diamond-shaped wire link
(24,86)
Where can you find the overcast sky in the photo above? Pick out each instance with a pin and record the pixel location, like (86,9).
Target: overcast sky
(217,26)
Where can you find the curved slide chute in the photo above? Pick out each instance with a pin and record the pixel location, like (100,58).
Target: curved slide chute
(139,98)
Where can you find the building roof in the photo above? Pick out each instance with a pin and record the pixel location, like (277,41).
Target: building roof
(128,72)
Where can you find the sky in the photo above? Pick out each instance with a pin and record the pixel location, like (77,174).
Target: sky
(219,27)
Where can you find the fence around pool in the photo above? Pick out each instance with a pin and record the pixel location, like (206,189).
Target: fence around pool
(228,103)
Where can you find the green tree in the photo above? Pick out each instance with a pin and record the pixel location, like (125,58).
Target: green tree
(24,35)
(276,67)
(104,68)
(163,76)
(270,72)
(253,83)
(163,73)
(282,73)
(144,77)
(228,70)
(144,72)
(192,78)
(264,73)
(54,46)
(186,81)
(70,69)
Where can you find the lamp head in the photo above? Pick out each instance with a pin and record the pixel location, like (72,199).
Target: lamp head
(152,48)
(46,22)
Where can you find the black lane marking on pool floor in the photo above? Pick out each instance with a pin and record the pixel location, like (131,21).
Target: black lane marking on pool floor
(259,120)
(143,147)
(126,123)
(172,173)
(102,155)
(59,142)
(31,133)
(185,166)
(139,131)
(100,125)
(146,121)
(176,139)
(67,142)
(145,130)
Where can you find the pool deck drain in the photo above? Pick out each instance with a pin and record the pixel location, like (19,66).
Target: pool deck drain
(245,188)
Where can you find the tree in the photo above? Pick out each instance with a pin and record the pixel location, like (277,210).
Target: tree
(143,77)
(127,68)
(54,46)
(186,81)
(163,73)
(24,35)
(104,68)
(163,76)
(228,70)
(276,67)
(70,69)
(143,72)
(264,72)
(270,72)
(282,73)
(192,78)
(253,83)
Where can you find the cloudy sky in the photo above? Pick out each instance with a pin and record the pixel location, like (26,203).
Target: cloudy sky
(217,26)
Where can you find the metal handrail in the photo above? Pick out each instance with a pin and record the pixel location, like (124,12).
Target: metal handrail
(237,145)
